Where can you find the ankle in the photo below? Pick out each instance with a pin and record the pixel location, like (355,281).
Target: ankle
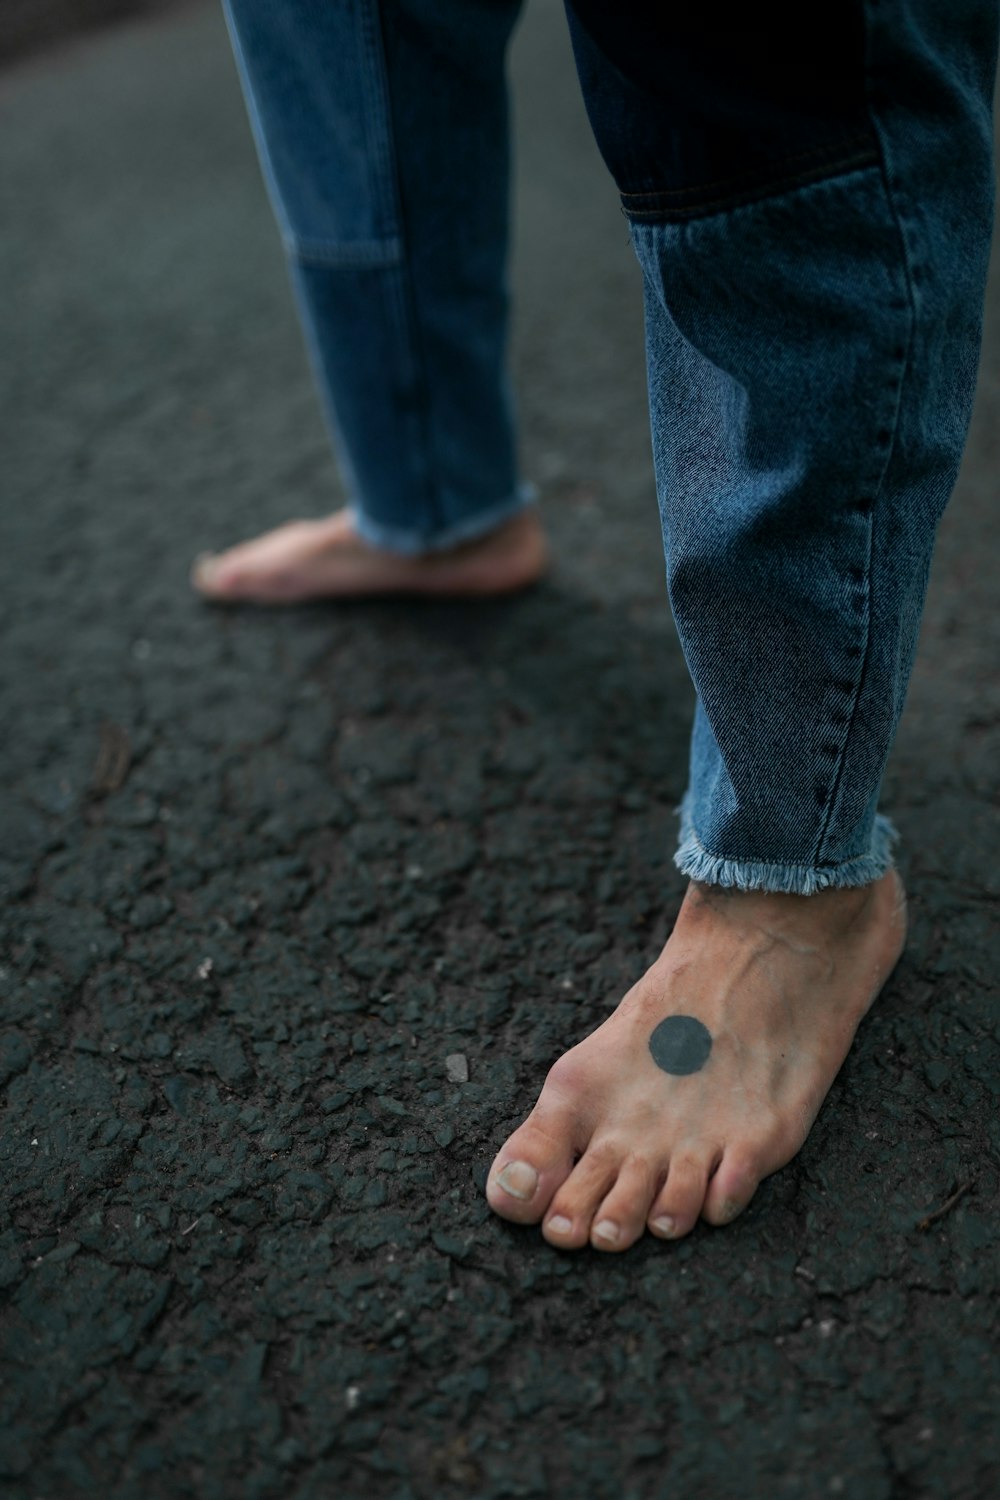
(836,912)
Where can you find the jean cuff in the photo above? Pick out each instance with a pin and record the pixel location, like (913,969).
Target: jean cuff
(699,863)
(413,543)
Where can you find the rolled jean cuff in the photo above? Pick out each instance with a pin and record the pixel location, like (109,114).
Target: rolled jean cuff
(699,863)
(413,543)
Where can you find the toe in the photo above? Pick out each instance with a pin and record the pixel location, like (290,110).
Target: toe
(529,1168)
(264,566)
(570,1217)
(620,1218)
(205,572)
(677,1206)
(732,1187)
(221,576)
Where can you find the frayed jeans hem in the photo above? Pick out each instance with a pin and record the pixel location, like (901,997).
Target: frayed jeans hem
(698,863)
(410,543)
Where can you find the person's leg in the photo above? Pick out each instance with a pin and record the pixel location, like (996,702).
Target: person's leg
(383,134)
(814,253)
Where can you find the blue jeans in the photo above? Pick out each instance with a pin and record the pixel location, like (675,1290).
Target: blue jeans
(813,239)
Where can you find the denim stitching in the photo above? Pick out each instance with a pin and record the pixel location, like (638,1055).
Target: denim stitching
(815,152)
(378,114)
(399,287)
(344,253)
(326,252)
(763,191)
(893,429)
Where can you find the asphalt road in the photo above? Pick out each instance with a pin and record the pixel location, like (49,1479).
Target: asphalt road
(263,873)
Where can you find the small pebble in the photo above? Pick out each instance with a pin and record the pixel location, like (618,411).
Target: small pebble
(457,1067)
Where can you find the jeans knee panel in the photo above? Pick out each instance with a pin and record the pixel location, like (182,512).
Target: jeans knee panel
(695,113)
(315,85)
(382,131)
(778,367)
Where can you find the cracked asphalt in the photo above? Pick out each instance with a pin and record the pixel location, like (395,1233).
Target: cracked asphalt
(268,876)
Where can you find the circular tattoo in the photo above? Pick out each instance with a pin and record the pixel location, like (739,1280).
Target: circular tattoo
(680,1044)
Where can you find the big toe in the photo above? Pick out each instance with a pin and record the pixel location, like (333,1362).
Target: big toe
(266,567)
(207,575)
(528,1170)
(226,575)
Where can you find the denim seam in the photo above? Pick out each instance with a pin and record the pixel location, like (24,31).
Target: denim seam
(377,84)
(826,173)
(400,289)
(903,368)
(347,254)
(815,152)
(315,356)
(753,191)
(387,250)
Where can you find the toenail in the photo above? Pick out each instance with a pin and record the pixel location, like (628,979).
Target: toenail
(607,1230)
(519,1179)
(664,1225)
(559,1224)
(730,1208)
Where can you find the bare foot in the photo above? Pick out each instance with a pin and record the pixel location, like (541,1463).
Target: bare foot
(711,1071)
(327,559)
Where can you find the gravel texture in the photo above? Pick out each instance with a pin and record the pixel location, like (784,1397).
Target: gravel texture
(298,907)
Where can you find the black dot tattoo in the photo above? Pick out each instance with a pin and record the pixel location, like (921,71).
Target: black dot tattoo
(680,1045)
